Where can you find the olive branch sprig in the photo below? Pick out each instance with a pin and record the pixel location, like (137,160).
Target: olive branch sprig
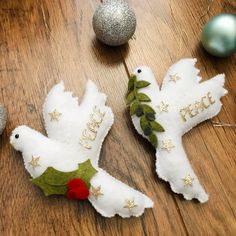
(142,110)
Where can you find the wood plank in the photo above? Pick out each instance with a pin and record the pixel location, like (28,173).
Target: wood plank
(43,42)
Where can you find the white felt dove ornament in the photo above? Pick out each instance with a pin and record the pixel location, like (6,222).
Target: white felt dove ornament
(164,116)
(66,162)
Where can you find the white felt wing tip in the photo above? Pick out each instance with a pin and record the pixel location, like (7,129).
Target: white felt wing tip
(57,87)
(220,78)
(148,202)
(225,91)
(90,84)
(199,78)
(92,88)
(203,198)
(193,61)
(61,83)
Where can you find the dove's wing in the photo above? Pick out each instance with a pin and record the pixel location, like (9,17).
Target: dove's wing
(85,124)
(109,197)
(181,75)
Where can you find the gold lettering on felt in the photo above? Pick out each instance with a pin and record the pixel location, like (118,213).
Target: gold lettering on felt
(198,106)
(90,133)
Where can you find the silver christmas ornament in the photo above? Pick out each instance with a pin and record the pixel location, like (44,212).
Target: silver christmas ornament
(114,22)
(3,118)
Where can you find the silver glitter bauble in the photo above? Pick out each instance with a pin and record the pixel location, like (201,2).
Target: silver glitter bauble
(114,22)
(3,118)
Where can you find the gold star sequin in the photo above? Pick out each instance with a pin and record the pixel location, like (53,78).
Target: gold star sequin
(163,107)
(130,204)
(188,180)
(34,162)
(168,145)
(96,192)
(174,78)
(55,115)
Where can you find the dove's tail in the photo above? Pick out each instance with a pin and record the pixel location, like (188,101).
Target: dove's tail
(172,165)
(109,197)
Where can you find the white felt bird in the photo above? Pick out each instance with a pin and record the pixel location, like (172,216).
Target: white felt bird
(181,104)
(76,133)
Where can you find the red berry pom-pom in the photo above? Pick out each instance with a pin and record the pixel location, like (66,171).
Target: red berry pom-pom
(77,189)
(76,183)
(71,194)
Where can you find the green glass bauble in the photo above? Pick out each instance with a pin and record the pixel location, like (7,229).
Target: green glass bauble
(219,35)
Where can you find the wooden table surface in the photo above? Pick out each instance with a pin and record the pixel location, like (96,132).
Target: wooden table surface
(43,42)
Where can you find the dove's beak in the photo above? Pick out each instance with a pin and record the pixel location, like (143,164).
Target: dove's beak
(12,141)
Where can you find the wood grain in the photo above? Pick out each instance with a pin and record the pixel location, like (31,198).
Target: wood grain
(42,42)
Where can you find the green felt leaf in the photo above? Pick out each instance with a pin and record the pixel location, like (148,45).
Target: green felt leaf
(144,111)
(86,172)
(142,84)
(148,109)
(153,139)
(130,97)
(53,181)
(143,122)
(133,107)
(156,126)
(143,97)
(131,82)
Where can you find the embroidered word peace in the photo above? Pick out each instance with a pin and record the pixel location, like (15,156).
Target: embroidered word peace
(90,133)
(198,106)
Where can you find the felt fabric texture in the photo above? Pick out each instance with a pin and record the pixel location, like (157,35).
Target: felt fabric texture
(181,103)
(62,149)
(74,117)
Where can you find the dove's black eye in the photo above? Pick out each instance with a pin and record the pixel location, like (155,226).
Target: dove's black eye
(17,136)
(139,70)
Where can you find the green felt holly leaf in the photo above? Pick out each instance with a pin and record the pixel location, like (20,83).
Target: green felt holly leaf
(153,139)
(148,109)
(53,181)
(130,97)
(142,84)
(156,126)
(143,97)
